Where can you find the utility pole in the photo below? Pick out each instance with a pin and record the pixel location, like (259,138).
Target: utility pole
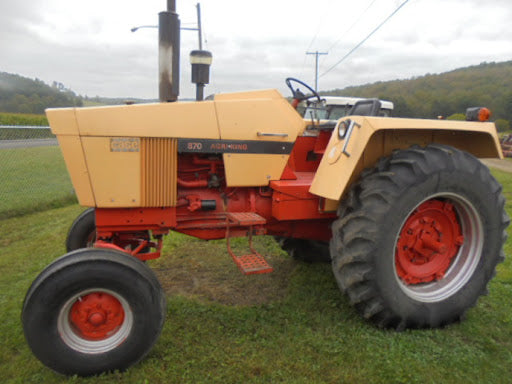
(201,62)
(199,30)
(316,65)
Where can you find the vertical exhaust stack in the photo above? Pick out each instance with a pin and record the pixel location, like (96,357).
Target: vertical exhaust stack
(169,53)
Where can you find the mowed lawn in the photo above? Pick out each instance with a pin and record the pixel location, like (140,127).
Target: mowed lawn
(291,326)
(33,179)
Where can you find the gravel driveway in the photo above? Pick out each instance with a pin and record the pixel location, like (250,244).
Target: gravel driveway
(502,165)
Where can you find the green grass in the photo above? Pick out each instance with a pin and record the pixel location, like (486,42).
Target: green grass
(292,326)
(33,179)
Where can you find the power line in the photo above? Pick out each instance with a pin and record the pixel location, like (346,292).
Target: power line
(366,38)
(321,24)
(316,65)
(350,28)
(318,28)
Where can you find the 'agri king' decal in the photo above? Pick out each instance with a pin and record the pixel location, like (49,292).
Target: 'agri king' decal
(234,146)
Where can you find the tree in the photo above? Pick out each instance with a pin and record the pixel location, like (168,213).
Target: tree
(502,125)
(457,116)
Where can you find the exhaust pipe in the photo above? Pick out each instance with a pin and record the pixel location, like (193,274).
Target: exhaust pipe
(169,53)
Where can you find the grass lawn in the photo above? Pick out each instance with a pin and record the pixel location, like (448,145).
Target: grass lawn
(291,326)
(33,179)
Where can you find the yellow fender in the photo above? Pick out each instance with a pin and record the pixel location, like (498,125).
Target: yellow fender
(369,138)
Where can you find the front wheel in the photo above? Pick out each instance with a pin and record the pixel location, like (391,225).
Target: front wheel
(93,311)
(419,237)
(82,233)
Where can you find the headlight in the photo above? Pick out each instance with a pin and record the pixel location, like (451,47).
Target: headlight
(342,128)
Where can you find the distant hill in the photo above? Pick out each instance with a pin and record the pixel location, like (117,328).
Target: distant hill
(429,96)
(22,95)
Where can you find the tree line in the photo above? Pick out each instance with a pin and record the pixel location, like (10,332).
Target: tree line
(22,95)
(448,94)
(429,96)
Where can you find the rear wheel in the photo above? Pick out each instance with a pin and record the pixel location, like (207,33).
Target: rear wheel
(419,237)
(92,311)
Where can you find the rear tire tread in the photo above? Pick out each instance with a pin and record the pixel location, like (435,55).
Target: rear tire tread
(351,245)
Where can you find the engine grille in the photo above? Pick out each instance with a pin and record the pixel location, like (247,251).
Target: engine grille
(159,157)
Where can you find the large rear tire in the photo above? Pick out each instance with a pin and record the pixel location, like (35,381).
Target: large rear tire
(93,311)
(419,237)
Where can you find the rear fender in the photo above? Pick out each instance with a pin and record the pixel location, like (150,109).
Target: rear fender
(375,137)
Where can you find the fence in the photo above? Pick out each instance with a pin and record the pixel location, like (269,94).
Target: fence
(32,170)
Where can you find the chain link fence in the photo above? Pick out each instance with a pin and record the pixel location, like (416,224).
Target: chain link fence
(32,170)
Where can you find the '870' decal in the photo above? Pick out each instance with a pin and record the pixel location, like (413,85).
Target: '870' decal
(234,146)
(194,146)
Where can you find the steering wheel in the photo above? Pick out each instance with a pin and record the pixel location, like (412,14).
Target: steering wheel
(298,96)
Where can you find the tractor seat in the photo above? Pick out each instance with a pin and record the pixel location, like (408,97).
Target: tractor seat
(368,107)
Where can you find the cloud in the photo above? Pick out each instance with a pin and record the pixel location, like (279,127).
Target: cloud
(88,46)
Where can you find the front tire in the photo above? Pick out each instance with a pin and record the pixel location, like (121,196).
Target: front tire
(82,233)
(93,311)
(419,237)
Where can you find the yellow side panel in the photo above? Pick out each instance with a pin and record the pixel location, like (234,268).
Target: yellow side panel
(115,176)
(71,148)
(262,116)
(191,120)
(62,121)
(252,170)
(252,119)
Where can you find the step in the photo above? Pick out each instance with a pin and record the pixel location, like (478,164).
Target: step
(252,264)
(245,219)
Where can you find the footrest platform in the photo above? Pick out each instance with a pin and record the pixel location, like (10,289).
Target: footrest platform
(252,264)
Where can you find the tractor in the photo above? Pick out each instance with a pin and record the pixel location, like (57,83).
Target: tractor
(411,220)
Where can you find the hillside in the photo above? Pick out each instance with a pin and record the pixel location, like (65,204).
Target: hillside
(429,96)
(22,95)
(432,95)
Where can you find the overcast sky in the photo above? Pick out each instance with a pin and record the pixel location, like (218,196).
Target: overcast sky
(88,46)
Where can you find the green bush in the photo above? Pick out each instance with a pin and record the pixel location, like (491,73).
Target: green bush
(457,116)
(502,125)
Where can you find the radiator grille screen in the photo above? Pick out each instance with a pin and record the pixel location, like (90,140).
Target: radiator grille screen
(159,166)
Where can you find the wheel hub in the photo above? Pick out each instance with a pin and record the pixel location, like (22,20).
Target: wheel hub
(96,316)
(428,242)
